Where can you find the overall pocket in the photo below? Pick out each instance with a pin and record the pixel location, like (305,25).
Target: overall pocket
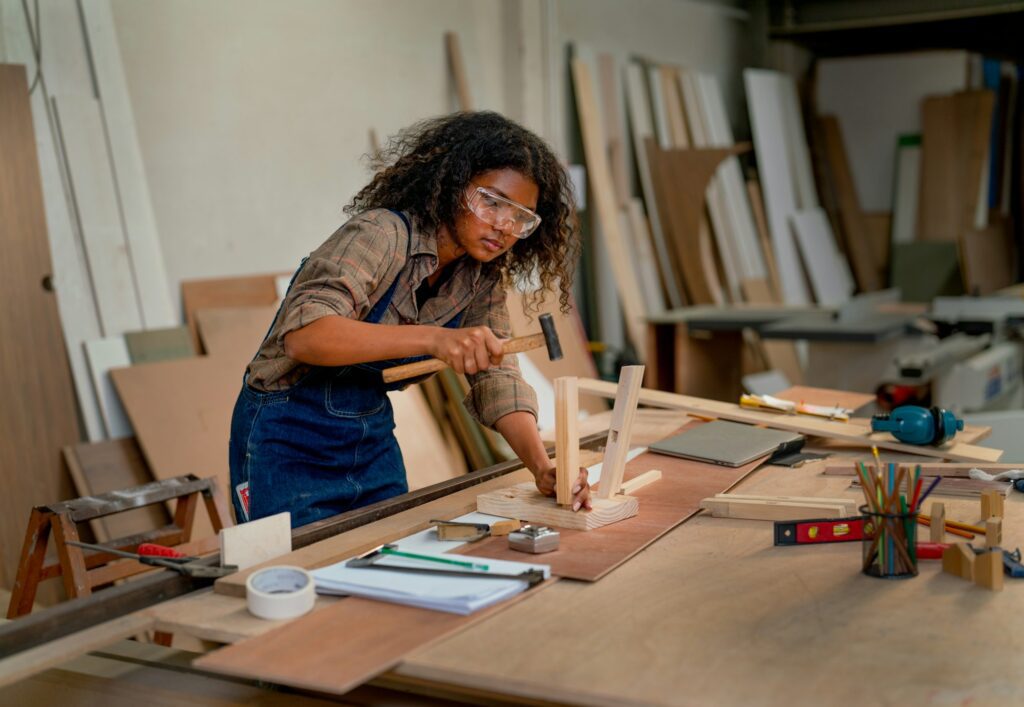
(349,394)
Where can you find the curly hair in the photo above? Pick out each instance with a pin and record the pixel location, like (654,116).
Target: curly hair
(426,168)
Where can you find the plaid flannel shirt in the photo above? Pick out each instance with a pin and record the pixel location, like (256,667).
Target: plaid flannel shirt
(354,268)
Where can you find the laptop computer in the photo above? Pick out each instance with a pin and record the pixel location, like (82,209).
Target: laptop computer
(726,443)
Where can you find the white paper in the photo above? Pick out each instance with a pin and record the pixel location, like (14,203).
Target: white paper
(456,594)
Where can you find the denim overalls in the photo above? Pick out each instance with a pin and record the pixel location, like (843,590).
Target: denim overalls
(323,446)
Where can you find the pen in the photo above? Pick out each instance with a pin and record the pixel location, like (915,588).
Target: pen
(388,550)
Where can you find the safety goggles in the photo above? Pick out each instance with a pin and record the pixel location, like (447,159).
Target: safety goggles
(502,213)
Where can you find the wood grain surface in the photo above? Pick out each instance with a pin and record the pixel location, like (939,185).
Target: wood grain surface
(38,414)
(590,555)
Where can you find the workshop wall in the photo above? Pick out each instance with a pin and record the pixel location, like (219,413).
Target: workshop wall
(252,117)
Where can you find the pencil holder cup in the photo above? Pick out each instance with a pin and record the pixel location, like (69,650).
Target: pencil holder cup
(890,544)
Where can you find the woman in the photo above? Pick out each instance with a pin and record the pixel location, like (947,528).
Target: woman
(460,207)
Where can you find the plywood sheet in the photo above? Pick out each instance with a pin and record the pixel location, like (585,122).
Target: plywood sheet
(777,175)
(344,645)
(825,396)
(591,554)
(155,345)
(234,331)
(853,88)
(826,267)
(855,230)
(181,412)
(38,415)
(246,291)
(103,355)
(954,150)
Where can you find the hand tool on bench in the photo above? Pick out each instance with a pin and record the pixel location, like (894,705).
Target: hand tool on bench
(188,566)
(548,337)
(471,532)
(369,561)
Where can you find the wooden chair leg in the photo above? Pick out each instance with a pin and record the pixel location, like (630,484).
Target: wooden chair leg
(33,554)
(185,513)
(72,561)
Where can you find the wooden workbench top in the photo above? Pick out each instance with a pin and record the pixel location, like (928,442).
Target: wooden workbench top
(714,614)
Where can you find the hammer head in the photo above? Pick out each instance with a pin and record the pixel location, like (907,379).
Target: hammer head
(547,327)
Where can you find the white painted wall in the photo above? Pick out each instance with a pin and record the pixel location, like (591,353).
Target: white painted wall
(252,115)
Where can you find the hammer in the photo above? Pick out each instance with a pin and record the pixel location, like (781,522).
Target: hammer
(547,337)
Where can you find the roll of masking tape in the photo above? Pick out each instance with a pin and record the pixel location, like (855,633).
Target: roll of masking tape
(282,592)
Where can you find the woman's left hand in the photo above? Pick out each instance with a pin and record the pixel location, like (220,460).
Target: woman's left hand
(580,490)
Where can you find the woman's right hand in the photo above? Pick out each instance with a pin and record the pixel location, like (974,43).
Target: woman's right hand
(468,350)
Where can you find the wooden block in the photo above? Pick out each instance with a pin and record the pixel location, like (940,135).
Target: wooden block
(620,430)
(567,442)
(504,527)
(938,523)
(849,503)
(993,532)
(526,502)
(988,570)
(639,482)
(958,560)
(991,504)
(466,533)
(759,509)
(257,541)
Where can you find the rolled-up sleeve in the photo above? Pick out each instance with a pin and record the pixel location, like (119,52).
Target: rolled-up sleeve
(502,389)
(340,276)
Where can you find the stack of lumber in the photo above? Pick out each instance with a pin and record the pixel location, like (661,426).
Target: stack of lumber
(917,159)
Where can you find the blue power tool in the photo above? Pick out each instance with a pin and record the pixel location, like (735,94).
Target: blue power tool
(918,425)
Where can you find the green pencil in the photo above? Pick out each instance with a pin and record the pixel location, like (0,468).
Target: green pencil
(386,550)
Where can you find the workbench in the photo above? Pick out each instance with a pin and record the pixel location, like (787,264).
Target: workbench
(712,613)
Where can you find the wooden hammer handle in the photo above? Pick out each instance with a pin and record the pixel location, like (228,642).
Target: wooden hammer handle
(431,365)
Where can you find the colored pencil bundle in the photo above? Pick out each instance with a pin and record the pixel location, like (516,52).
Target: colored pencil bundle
(893,496)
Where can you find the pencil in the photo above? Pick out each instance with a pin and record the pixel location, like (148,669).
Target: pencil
(925,520)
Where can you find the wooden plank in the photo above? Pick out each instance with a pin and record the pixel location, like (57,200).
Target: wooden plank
(599,175)
(768,125)
(826,267)
(306,652)
(614,135)
(825,396)
(781,355)
(102,467)
(98,214)
(38,415)
(987,257)
(752,258)
(620,431)
(78,316)
(855,230)
(142,240)
(567,441)
(256,542)
(962,488)
(427,456)
(103,355)
(757,208)
(642,130)
(457,67)
(856,434)
(35,660)
(590,555)
(525,502)
(761,509)
(638,482)
(646,261)
(954,145)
